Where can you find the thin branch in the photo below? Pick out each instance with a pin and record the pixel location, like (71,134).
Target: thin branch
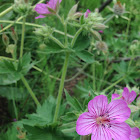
(104,5)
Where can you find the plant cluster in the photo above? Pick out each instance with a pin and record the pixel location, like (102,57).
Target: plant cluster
(81,54)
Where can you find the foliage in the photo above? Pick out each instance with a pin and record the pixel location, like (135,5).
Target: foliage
(63,67)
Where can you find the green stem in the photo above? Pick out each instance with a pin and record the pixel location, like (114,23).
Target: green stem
(113,84)
(129,21)
(34,25)
(131,59)
(59,97)
(65,31)
(93,76)
(14,105)
(22,37)
(76,36)
(111,17)
(6,11)
(30,91)
(57,41)
(7,27)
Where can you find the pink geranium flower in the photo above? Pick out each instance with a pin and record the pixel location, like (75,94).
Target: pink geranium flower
(42,8)
(105,121)
(135,133)
(86,13)
(126,95)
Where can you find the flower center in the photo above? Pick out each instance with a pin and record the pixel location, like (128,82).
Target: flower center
(103,120)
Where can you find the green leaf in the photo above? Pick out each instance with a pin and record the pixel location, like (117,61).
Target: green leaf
(12,93)
(24,64)
(70,116)
(51,49)
(9,78)
(11,72)
(11,134)
(81,44)
(85,56)
(72,10)
(73,102)
(43,115)
(82,19)
(47,133)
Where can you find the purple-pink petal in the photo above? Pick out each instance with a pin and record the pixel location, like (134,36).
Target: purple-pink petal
(120,131)
(42,9)
(118,111)
(100,133)
(114,96)
(128,97)
(135,133)
(98,105)
(52,3)
(85,123)
(86,13)
(40,16)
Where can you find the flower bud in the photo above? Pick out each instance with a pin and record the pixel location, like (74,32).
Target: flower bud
(96,35)
(45,31)
(99,26)
(135,45)
(5,39)
(118,8)
(94,21)
(10,48)
(23,7)
(42,46)
(101,46)
(14,35)
(73,15)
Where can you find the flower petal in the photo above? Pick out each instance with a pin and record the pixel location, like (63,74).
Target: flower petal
(115,96)
(135,133)
(85,123)
(100,133)
(40,16)
(86,13)
(52,3)
(118,111)
(120,131)
(98,105)
(132,97)
(128,97)
(42,8)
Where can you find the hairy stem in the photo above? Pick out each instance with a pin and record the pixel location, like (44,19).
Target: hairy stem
(30,91)
(59,97)
(22,37)
(7,27)
(57,41)
(111,17)
(113,84)
(76,36)
(34,25)
(6,11)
